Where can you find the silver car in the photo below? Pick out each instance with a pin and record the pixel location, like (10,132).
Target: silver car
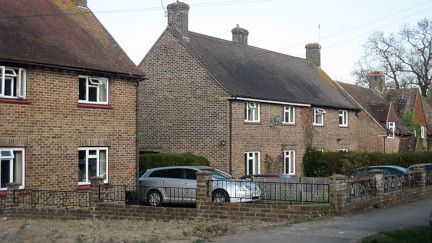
(177,185)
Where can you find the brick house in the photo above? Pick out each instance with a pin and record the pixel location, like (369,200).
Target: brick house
(67,98)
(389,107)
(246,109)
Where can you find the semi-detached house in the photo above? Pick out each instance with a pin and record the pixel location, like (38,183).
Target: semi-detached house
(67,98)
(246,109)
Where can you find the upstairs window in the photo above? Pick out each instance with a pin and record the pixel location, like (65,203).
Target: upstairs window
(252,112)
(12,82)
(318,117)
(11,167)
(93,90)
(289,115)
(391,126)
(343,118)
(422,131)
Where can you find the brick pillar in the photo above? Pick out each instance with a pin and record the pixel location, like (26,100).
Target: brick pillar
(11,206)
(378,175)
(338,193)
(421,183)
(96,184)
(202,192)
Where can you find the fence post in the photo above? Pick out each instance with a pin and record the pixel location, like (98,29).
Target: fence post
(94,199)
(11,206)
(379,178)
(202,188)
(421,171)
(338,193)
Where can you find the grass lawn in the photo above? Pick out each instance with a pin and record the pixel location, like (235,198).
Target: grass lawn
(420,234)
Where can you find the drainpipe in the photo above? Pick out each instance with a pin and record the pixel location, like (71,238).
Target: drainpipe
(137,132)
(230,137)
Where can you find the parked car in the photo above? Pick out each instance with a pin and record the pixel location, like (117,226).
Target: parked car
(177,185)
(249,177)
(386,169)
(428,167)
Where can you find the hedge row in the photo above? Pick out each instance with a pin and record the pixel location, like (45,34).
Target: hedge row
(148,161)
(318,163)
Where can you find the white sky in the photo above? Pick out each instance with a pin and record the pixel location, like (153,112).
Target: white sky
(278,25)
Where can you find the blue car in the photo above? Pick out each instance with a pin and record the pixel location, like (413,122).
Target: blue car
(388,170)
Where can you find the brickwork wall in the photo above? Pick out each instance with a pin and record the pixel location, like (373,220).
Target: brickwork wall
(52,128)
(182,107)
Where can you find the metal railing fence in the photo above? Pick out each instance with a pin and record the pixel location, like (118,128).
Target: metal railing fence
(361,188)
(52,198)
(400,182)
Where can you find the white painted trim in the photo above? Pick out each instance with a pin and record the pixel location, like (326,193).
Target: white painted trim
(270,101)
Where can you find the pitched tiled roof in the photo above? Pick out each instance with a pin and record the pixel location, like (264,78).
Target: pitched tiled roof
(56,32)
(409,144)
(377,106)
(250,72)
(427,106)
(402,99)
(369,99)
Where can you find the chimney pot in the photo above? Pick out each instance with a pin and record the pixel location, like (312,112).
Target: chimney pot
(377,81)
(81,3)
(313,53)
(178,17)
(240,35)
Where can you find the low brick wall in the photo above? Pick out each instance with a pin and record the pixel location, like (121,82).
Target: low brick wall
(206,209)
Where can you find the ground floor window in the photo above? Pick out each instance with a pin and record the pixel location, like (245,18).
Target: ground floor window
(92,162)
(252,163)
(289,162)
(12,166)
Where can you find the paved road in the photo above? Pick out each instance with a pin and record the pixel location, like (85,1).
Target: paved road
(342,228)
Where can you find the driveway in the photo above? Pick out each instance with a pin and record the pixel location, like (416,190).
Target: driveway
(350,228)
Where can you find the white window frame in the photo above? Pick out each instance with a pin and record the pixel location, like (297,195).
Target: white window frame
(94,82)
(11,167)
(289,115)
(252,111)
(318,112)
(18,77)
(392,127)
(343,118)
(289,162)
(254,157)
(422,131)
(98,149)
(343,150)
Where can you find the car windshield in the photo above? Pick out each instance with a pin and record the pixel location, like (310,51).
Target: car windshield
(218,175)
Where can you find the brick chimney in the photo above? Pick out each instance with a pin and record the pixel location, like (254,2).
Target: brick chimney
(240,35)
(377,81)
(313,53)
(81,3)
(178,14)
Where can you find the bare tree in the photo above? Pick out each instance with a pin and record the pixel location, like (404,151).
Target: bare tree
(405,58)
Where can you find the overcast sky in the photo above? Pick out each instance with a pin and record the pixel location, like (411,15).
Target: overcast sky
(340,26)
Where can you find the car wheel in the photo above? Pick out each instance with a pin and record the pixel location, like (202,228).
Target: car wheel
(154,198)
(220,196)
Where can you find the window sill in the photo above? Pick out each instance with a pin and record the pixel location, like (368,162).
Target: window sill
(343,126)
(95,106)
(252,122)
(83,187)
(318,125)
(289,124)
(15,101)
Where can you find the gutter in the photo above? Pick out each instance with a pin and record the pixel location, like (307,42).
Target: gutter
(83,70)
(269,101)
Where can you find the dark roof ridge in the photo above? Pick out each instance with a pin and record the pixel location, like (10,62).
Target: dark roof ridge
(247,46)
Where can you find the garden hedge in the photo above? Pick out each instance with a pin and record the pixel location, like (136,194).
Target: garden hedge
(150,160)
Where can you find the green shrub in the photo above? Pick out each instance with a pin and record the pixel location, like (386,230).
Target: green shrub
(314,166)
(148,161)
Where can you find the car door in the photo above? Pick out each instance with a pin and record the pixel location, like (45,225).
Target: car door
(190,185)
(174,183)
